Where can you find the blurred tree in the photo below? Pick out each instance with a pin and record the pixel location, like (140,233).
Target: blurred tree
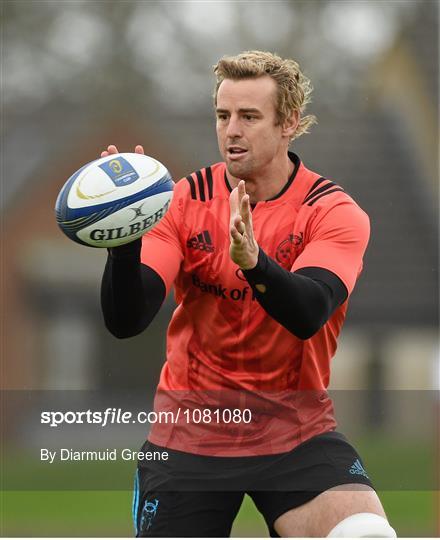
(122,54)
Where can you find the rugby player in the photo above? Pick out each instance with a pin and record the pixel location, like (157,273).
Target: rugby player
(263,255)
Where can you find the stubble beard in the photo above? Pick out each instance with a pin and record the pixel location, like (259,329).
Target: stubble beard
(243,171)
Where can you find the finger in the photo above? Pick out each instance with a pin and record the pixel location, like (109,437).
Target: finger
(245,209)
(236,237)
(246,214)
(104,153)
(241,188)
(112,149)
(139,149)
(233,202)
(239,225)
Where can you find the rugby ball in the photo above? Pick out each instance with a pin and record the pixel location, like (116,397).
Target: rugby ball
(114,200)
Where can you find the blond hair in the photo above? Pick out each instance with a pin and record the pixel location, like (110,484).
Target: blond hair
(294,89)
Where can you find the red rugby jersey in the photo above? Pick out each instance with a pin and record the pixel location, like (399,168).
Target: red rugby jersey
(223,350)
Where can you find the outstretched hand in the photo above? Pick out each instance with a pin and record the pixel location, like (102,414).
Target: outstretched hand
(243,248)
(111,149)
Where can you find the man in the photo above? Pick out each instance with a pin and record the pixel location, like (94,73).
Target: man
(263,254)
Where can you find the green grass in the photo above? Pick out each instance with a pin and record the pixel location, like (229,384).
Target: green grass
(399,464)
(412,513)
(108,513)
(66,513)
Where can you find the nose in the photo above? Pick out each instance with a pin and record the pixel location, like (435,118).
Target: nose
(234,129)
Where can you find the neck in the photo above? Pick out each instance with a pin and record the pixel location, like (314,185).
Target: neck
(268,182)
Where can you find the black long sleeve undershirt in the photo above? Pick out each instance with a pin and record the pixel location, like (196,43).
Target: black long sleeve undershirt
(301,301)
(131,292)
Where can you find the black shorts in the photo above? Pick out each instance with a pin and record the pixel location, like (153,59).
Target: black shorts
(199,496)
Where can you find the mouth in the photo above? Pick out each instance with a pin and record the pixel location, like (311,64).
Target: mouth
(235,152)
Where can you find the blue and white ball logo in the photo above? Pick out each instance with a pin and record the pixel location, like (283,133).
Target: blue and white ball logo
(114,200)
(120,171)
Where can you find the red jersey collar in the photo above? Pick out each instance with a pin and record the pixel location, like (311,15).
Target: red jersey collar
(297,163)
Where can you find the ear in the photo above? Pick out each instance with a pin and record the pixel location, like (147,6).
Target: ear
(290,124)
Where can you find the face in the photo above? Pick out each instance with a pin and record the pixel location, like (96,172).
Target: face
(249,137)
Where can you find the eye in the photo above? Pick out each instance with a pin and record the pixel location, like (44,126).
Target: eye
(249,117)
(221,116)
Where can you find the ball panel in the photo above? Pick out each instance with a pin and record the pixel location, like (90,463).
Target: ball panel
(163,185)
(92,187)
(61,206)
(97,185)
(126,224)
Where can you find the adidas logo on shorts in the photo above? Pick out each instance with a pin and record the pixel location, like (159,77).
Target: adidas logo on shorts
(357,468)
(201,241)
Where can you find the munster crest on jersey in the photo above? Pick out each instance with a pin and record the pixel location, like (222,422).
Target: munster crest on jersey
(286,250)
